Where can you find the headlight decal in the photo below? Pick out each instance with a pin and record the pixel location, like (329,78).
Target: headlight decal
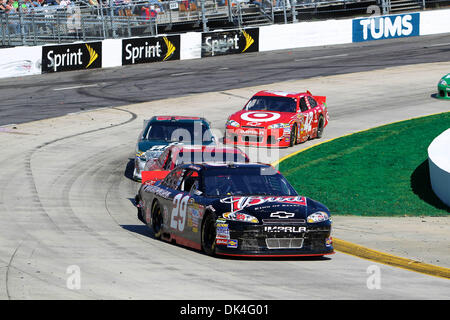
(316,217)
(236,216)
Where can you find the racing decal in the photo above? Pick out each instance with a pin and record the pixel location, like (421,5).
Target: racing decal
(151,49)
(232,243)
(150,188)
(260,116)
(221,241)
(194,214)
(222,231)
(308,122)
(282,214)
(238,203)
(71,57)
(178,217)
(230,42)
(284,229)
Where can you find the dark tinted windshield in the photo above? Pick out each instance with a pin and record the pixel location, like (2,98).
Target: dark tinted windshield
(186,132)
(280,104)
(198,156)
(240,181)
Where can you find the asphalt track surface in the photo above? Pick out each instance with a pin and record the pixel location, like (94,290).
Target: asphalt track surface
(66,196)
(40,97)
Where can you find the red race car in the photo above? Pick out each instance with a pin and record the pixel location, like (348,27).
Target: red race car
(177,154)
(278,119)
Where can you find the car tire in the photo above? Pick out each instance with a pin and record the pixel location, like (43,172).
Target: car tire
(208,235)
(293,139)
(320,127)
(157,220)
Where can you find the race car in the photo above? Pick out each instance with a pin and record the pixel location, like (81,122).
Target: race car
(278,119)
(178,154)
(162,131)
(242,209)
(444,87)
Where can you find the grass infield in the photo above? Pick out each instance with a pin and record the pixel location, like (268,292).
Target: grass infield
(378,172)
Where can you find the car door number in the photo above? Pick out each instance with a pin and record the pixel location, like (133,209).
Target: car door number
(308,120)
(178,219)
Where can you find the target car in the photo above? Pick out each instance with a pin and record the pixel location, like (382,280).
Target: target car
(278,119)
(234,209)
(444,87)
(161,132)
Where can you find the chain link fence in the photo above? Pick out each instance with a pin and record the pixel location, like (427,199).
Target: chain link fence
(84,21)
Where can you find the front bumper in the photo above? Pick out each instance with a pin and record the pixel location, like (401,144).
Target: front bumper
(443,92)
(254,240)
(257,137)
(138,168)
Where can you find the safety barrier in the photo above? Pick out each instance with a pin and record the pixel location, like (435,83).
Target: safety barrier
(439,164)
(22,61)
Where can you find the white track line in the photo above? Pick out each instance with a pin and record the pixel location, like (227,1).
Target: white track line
(76,87)
(323,57)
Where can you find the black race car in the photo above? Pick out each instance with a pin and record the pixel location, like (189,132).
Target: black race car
(234,209)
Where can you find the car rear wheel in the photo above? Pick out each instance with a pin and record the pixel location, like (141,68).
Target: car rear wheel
(320,127)
(293,139)
(157,220)
(209,235)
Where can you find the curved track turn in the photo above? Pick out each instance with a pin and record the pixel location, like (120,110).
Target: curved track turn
(66,197)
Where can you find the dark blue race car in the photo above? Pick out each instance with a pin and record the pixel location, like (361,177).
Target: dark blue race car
(234,209)
(162,131)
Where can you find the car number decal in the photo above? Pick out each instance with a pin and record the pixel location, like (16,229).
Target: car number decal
(178,219)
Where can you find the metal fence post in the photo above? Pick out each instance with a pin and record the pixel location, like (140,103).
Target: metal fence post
(230,13)
(204,20)
(83,31)
(284,12)
(293,11)
(22,30)
(111,16)
(33,21)
(4,26)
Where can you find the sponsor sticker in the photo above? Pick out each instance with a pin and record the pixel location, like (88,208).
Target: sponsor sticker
(71,57)
(151,49)
(232,243)
(222,241)
(386,27)
(230,42)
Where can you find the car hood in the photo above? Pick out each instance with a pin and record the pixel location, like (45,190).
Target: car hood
(261,118)
(265,207)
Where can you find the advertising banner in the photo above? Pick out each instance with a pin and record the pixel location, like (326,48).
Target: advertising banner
(230,42)
(78,56)
(386,27)
(151,49)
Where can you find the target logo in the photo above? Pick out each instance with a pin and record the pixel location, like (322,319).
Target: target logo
(260,116)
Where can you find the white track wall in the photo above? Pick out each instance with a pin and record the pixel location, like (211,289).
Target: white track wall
(23,61)
(439,163)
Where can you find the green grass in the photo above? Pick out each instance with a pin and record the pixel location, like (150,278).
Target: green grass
(379,172)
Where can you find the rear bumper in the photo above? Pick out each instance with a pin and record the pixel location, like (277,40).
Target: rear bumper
(257,137)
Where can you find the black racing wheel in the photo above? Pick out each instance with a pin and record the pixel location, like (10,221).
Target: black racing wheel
(157,220)
(209,235)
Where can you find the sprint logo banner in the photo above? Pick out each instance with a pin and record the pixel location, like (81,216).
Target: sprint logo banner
(70,57)
(152,49)
(386,27)
(230,42)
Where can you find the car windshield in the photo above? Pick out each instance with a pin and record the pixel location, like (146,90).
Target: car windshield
(186,132)
(246,181)
(280,104)
(208,156)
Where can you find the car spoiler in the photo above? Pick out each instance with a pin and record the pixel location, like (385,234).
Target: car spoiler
(321,99)
(153,175)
